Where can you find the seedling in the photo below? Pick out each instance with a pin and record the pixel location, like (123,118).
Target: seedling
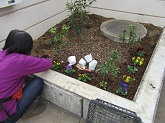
(103,85)
(109,65)
(84,77)
(132,69)
(55,65)
(69,69)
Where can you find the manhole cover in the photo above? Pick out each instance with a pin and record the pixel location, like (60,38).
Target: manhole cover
(113,28)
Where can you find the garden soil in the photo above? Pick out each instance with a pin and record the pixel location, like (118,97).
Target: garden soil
(91,41)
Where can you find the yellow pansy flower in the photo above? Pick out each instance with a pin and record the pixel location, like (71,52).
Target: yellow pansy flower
(140,63)
(101,84)
(127,80)
(137,60)
(133,58)
(138,57)
(124,76)
(128,76)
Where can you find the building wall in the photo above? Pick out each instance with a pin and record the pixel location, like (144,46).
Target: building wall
(147,11)
(33,16)
(37,16)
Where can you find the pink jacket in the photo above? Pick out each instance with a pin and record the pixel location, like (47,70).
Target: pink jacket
(13,69)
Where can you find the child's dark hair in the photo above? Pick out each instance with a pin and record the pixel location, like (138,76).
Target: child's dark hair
(18,41)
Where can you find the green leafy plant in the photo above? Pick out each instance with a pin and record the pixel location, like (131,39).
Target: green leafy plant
(103,85)
(55,65)
(69,69)
(132,69)
(140,52)
(84,77)
(132,36)
(109,65)
(123,37)
(79,15)
(57,37)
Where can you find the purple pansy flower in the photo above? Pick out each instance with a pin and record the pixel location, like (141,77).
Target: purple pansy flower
(124,85)
(69,66)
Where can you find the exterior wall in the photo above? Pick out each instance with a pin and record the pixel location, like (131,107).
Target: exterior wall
(37,16)
(147,11)
(33,16)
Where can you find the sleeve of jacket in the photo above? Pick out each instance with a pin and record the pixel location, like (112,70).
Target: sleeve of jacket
(30,65)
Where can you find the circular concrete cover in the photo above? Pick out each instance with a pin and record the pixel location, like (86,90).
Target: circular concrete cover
(113,28)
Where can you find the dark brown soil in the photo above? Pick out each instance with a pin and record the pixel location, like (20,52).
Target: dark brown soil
(92,41)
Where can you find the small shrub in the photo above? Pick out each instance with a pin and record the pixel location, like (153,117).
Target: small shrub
(109,65)
(79,16)
(132,37)
(57,37)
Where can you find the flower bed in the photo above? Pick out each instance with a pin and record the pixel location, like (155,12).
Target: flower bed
(92,41)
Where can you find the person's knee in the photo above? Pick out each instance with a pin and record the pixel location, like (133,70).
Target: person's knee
(39,82)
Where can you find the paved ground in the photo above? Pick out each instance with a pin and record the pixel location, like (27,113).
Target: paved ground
(160,116)
(55,114)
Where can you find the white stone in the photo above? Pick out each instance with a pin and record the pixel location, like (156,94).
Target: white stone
(82,62)
(88,58)
(72,60)
(92,64)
